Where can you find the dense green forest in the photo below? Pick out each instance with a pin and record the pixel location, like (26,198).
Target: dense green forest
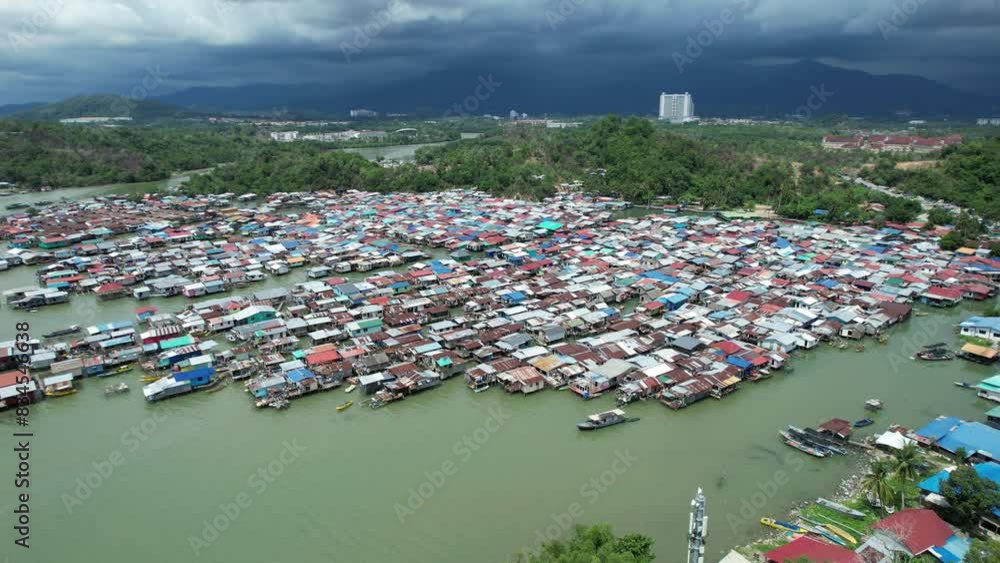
(626,158)
(969,176)
(34,154)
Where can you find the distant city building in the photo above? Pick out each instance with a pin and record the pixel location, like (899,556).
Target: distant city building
(363,113)
(514,114)
(993,121)
(93,119)
(284,136)
(676,108)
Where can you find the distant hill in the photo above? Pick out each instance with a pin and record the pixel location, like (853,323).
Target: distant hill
(102,105)
(719,88)
(14,108)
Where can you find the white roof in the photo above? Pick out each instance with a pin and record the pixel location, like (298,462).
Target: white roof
(894,440)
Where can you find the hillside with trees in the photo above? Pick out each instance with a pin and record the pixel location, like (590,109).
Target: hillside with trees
(625,158)
(37,154)
(969,176)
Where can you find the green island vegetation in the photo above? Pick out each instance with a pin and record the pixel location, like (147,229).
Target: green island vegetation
(968,175)
(595,544)
(39,154)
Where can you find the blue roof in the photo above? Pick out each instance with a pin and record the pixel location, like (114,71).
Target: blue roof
(828,283)
(738,362)
(654,275)
(196,373)
(939,428)
(989,470)
(992,323)
(298,375)
(974,437)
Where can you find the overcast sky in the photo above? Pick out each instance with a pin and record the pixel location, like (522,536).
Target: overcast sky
(55,48)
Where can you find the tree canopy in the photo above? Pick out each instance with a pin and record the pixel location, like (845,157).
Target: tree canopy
(596,544)
(970,497)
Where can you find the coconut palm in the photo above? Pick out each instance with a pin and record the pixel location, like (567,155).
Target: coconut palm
(878,481)
(907,462)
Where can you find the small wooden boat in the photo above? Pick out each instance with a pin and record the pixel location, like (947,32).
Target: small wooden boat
(834,529)
(149,378)
(62,332)
(604,419)
(864,422)
(965,385)
(823,533)
(278,404)
(825,503)
(783,526)
(345,405)
(116,371)
(116,389)
(60,392)
(350,388)
(921,314)
(481,388)
(801,446)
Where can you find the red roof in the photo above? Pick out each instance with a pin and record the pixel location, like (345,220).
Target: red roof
(322,358)
(946,292)
(815,550)
(918,528)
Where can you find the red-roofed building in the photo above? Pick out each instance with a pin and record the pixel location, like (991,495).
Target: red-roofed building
(814,550)
(919,529)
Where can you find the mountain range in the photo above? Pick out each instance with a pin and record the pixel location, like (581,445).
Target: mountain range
(719,90)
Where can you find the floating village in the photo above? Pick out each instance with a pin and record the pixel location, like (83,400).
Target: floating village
(393,294)
(566,294)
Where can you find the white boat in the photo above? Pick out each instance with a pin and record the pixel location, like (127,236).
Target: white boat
(481,389)
(115,389)
(350,388)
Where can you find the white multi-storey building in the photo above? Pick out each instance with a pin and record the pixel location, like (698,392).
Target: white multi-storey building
(676,108)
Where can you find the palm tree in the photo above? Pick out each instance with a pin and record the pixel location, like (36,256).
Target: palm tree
(907,462)
(878,481)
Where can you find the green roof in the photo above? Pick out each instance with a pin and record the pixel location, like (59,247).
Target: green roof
(550,225)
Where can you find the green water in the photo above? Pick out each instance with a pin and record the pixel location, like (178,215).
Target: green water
(34,198)
(337,500)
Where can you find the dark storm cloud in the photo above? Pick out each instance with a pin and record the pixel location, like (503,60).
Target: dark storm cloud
(54,48)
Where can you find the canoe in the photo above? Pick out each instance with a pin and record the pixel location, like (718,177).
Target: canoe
(840,532)
(350,388)
(345,405)
(864,422)
(840,508)
(783,526)
(62,393)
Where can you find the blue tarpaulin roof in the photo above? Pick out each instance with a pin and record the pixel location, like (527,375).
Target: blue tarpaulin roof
(939,428)
(298,375)
(738,362)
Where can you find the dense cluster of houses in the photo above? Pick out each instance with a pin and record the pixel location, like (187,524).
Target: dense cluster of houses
(890,143)
(523,296)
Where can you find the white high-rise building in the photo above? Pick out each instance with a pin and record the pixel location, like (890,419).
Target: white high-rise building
(677,108)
